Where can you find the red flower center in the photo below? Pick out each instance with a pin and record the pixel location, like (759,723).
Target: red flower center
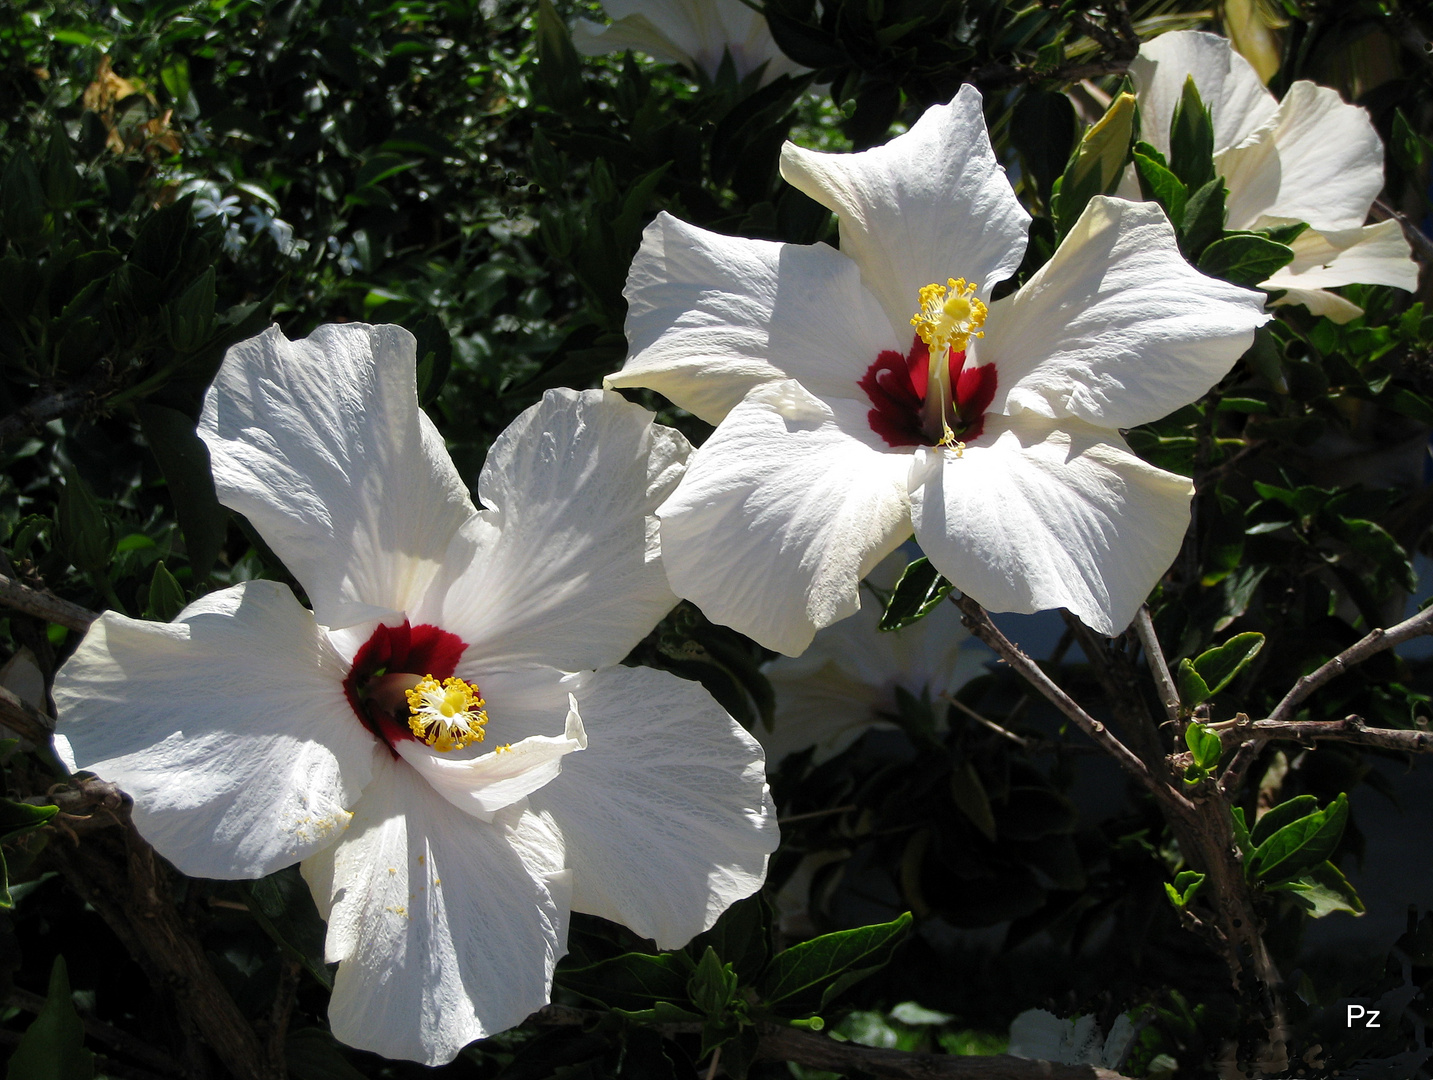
(390,663)
(897,385)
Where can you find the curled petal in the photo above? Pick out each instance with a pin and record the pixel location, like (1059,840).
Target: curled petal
(228,727)
(1373,255)
(445,929)
(781,513)
(1039,516)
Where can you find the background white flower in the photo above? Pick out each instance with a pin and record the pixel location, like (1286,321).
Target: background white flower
(253,733)
(829,413)
(845,683)
(696,33)
(1043,1036)
(1310,157)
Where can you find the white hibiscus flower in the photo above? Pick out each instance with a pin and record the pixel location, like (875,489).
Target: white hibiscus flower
(695,33)
(1310,157)
(845,683)
(837,435)
(407,739)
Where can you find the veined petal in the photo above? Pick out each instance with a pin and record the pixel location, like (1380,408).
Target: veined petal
(1116,329)
(1373,255)
(929,205)
(709,317)
(1330,161)
(781,514)
(1231,89)
(666,817)
(1038,516)
(501,776)
(445,929)
(228,727)
(563,567)
(321,445)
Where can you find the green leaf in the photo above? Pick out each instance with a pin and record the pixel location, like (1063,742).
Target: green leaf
(712,985)
(968,793)
(559,78)
(53,1047)
(1186,884)
(1158,183)
(1276,817)
(663,1012)
(1203,218)
(61,181)
(632,981)
(1204,745)
(1241,831)
(184,460)
(84,533)
(915,596)
(741,937)
(22,203)
(1043,131)
(283,907)
(1192,689)
(1191,139)
(166,596)
(17,818)
(1300,845)
(313,1054)
(1323,891)
(1218,667)
(1244,259)
(807,976)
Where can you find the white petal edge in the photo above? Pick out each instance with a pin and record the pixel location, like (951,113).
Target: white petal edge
(666,817)
(445,929)
(228,727)
(781,513)
(1038,516)
(1117,328)
(1373,255)
(931,204)
(563,566)
(710,317)
(492,781)
(1237,100)
(321,445)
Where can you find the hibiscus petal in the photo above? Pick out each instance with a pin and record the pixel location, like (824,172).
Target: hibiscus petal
(929,205)
(485,784)
(1041,516)
(563,566)
(709,317)
(666,817)
(1116,329)
(1321,302)
(1230,88)
(781,514)
(445,929)
(321,445)
(1330,162)
(1373,255)
(228,727)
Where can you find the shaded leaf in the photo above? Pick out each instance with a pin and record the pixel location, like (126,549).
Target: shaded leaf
(920,588)
(53,1047)
(807,976)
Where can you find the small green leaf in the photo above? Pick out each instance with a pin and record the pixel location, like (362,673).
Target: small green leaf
(1276,817)
(915,596)
(1191,139)
(663,1012)
(1192,689)
(1158,183)
(1244,259)
(1322,891)
(1203,218)
(1241,831)
(53,1047)
(166,595)
(1204,745)
(712,985)
(632,981)
(807,976)
(1218,667)
(1300,845)
(17,818)
(1186,884)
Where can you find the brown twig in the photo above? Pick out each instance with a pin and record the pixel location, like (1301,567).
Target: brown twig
(1158,667)
(45,605)
(82,395)
(1374,642)
(1411,232)
(978,622)
(1351,728)
(24,719)
(1117,676)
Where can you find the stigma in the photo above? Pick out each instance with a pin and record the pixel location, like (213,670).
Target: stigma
(447,715)
(949,316)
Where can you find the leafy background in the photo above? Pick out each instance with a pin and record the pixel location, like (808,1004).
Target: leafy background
(179,174)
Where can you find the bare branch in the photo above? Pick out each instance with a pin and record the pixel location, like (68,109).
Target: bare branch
(1375,642)
(980,625)
(1351,728)
(1158,667)
(24,719)
(44,605)
(83,394)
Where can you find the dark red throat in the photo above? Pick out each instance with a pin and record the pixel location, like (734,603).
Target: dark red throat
(393,650)
(897,385)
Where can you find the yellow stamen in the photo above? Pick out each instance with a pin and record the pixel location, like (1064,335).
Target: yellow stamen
(950,315)
(447,715)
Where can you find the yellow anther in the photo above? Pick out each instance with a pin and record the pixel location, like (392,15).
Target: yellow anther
(949,315)
(503,749)
(447,715)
